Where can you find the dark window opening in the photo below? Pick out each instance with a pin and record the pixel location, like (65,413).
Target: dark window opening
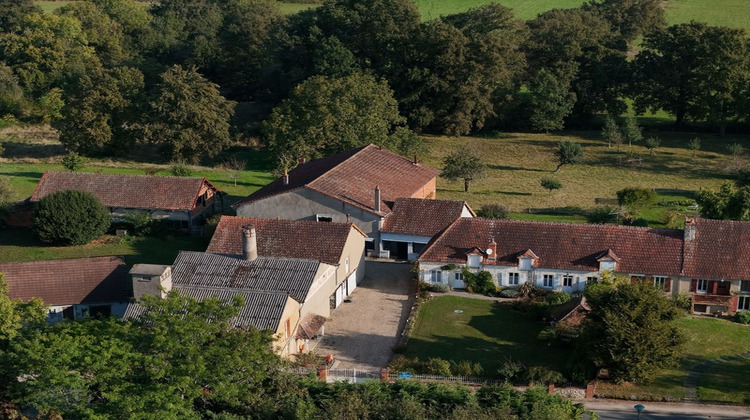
(100,311)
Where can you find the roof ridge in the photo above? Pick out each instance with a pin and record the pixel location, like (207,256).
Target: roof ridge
(588,225)
(128,175)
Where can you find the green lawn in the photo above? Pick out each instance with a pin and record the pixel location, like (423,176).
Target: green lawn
(523,9)
(51,6)
(484,333)
(732,13)
(21,245)
(707,339)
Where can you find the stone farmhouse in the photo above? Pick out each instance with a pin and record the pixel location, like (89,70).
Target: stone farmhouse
(358,186)
(184,201)
(703,260)
(73,288)
(291,274)
(339,244)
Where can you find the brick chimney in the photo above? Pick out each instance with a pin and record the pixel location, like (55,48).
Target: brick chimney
(492,249)
(689,229)
(249,243)
(377,199)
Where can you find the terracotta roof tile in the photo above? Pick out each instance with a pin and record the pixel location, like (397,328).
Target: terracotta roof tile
(310,240)
(129,191)
(352,176)
(562,246)
(422,217)
(719,250)
(68,282)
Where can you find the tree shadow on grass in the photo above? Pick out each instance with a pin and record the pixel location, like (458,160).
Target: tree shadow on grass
(17,150)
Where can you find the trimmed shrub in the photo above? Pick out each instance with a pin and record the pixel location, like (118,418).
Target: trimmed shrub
(509,292)
(493,211)
(635,197)
(180,170)
(683,301)
(541,374)
(466,368)
(557,298)
(439,287)
(743,317)
(601,215)
(70,218)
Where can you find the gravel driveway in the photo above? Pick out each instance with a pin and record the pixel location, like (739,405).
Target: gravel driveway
(362,332)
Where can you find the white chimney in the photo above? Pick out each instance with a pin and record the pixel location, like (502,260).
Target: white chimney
(151,279)
(249,243)
(377,199)
(689,229)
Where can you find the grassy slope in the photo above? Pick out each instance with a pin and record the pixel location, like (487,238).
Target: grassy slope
(483,333)
(733,13)
(516,162)
(523,9)
(707,339)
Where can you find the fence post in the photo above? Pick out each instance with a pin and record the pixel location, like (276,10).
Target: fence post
(323,372)
(384,375)
(590,389)
(551,388)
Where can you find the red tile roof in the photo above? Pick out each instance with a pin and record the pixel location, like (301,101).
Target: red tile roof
(352,176)
(128,191)
(320,241)
(561,245)
(68,282)
(422,217)
(719,251)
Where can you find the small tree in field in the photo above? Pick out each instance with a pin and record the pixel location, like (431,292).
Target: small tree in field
(568,153)
(234,166)
(611,132)
(652,143)
(464,165)
(631,131)
(70,218)
(550,184)
(74,162)
(694,145)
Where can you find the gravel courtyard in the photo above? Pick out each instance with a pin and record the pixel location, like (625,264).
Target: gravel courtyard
(362,332)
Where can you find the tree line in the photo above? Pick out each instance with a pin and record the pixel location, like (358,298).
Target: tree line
(112,73)
(183,359)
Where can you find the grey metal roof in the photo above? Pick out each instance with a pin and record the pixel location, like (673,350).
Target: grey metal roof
(211,271)
(262,310)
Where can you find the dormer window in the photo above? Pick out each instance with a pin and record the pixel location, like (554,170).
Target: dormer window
(524,264)
(474,261)
(607,265)
(608,261)
(527,260)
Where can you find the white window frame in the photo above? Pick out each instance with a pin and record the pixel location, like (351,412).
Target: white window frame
(567,280)
(458,275)
(660,281)
(514,279)
(346,265)
(743,303)
(436,276)
(474,261)
(592,280)
(548,280)
(704,284)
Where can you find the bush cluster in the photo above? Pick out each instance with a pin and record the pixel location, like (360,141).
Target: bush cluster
(70,218)
(435,366)
(743,317)
(517,372)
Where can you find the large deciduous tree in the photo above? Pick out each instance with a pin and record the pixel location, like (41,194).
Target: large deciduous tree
(631,18)
(578,47)
(461,68)
(326,115)
(629,330)
(464,165)
(188,119)
(726,203)
(100,111)
(694,72)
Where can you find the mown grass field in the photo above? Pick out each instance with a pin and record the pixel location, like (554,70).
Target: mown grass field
(516,163)
(707,339)
(485,333)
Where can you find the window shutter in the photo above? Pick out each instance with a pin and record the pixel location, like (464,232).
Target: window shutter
(668,284)
(634,279)
(711,288)
(734,304)
(500,278)
(693,285)
(556,282)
